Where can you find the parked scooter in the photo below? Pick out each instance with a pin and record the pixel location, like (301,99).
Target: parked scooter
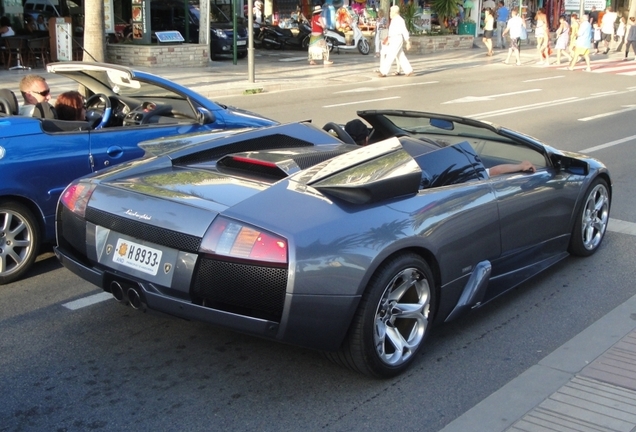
(337,40)
(277,37)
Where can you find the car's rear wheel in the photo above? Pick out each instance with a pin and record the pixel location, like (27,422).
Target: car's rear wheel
(393,319)
(591,220)
(19,240)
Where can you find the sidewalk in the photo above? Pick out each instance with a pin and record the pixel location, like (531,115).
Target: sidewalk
(587,384)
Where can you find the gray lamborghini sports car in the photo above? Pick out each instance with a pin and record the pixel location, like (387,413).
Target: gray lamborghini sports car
(291,233)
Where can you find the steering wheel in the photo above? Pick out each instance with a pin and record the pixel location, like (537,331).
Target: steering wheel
(98,110)
(340,132)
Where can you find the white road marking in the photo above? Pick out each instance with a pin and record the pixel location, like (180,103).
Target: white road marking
(625,109)
(488,97)
(544,79)
(360,102)
(369,89)
(609,144)
(622,227)
(88,301)
(603,93)
(521,108)
(530,107)
(293,59)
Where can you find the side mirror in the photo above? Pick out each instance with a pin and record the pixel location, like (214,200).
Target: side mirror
(205,116)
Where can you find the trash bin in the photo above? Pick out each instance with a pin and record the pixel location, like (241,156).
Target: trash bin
(467,28)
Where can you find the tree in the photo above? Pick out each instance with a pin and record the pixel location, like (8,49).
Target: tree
(94,38)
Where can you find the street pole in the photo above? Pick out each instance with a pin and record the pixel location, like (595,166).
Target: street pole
(234,31)
(250,41)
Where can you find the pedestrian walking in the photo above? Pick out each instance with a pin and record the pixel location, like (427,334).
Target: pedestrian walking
(398,37)
(502,19)
(630,37)
(318,49)
(620,34)
(489,23)
(381,31)
(596,37)
(583,43)
(607,28)
(562,40)
(574,29)
(515,27)
(541,32)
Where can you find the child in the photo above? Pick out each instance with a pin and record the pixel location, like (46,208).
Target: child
(597,37)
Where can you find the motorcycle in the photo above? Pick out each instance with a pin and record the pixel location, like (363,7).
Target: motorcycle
(278,37)
(337,40)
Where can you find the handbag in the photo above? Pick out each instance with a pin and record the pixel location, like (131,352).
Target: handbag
(524,33)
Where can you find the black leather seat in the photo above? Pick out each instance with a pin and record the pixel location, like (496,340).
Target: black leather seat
(44,110)
(8,103)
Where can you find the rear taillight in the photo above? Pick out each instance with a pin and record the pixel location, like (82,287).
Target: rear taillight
(75,197)
(234,239)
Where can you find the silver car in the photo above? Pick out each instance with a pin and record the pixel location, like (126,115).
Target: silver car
(289,233)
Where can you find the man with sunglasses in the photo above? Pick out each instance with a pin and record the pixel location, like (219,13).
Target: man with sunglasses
(34,90)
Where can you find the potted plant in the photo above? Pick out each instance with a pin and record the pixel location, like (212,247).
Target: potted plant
(446,10)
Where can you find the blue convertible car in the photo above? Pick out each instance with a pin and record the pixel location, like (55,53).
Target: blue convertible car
(40,157)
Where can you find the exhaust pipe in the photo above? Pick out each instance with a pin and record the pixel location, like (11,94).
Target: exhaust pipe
(134,298)
(118,292)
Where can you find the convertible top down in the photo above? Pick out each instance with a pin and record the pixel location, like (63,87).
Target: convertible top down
(288,233)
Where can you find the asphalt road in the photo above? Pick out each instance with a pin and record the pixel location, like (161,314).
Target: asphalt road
(108,367)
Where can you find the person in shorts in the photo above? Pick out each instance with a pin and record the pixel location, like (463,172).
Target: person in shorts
(489,26)
(514,28)
(583,43)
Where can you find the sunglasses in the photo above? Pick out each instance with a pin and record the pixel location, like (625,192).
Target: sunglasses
(44,93)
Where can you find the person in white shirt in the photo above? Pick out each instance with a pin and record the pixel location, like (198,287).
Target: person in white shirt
(398,36)
(515,27)
(5,27)
(607,28)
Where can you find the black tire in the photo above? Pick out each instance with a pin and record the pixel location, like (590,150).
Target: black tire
(241,54)
(591,220)
(363,46)
(305,43)
(370,348)
(19,241)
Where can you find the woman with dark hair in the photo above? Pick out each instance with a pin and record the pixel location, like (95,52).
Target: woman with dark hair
(70,106)
(489,25)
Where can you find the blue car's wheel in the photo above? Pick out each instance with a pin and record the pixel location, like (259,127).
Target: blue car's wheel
(393,319)
(19,241)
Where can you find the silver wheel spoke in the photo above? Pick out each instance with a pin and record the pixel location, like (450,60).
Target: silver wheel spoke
(401,317)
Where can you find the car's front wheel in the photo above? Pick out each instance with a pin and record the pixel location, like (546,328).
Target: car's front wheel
(591,220)
(393,319)
(19,241)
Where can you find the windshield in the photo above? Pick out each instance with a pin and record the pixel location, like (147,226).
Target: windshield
(416,125)
(121,85)
(216,14)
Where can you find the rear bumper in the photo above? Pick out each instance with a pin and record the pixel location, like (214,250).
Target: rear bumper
(312,321)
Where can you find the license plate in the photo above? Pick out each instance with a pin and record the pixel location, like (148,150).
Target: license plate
(137,256)
(241,42)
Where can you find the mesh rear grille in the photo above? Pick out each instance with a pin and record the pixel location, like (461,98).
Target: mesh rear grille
(275,141)
(140,230)
(241,288)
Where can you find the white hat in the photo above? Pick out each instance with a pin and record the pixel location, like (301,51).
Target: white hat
(317,9)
